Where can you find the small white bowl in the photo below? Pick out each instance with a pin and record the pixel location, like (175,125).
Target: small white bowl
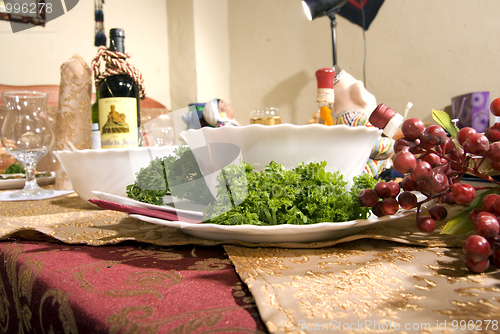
(107,170)
(345,149)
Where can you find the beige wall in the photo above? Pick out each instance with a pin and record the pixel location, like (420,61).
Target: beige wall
(424,52)
(212,49)
(275,52)
(263,53)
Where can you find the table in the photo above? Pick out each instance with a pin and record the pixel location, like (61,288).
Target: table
(69,267)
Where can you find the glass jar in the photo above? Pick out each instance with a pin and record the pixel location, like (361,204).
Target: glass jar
(268,116)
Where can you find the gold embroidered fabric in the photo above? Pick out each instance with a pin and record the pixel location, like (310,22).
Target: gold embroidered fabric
(73,119)
(369,286)
(388,275)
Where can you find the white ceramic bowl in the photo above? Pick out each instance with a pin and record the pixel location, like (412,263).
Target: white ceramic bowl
(107,170)
(345,149)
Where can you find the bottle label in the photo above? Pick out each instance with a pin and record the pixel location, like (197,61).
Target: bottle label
(118,122)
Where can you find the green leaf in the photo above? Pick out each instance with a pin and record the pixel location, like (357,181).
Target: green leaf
(460,223)
(443,119)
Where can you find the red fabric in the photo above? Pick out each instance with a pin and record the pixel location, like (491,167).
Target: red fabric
(129,287)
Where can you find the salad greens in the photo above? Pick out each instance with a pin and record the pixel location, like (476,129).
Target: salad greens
(305,195)
(15,168)
(178,171)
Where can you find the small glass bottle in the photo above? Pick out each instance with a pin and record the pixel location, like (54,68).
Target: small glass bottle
(386,119)
(96,132)
(326,96)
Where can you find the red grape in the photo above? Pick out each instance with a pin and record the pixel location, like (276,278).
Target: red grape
(426,224)
(368,197)
(447,198)
(477,267)
(477,248)
(438,212)
(473,214)
(486,225)
(394,186)
(488,203)
(422,187)
(449,146)
(377,209)
(476,144)
(495,107)
(404,144)
(404,162)
(494,151)
(495,164)
(463,193)
(382,189)
(389,206)
(433,135)
(422,171)
(495,254)
(412,128)
(493,132)
(464,133)
(408,183)
(407,200)
(432,158)
(437,183)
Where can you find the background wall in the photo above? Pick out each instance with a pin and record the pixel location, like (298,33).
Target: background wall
(264,53)
(424,52)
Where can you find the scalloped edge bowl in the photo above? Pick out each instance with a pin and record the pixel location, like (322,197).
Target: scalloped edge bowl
(107,170)
(345,149)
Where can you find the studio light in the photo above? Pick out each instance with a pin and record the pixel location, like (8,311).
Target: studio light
(318,8)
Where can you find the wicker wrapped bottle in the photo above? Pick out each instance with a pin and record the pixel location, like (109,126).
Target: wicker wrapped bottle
(119,89)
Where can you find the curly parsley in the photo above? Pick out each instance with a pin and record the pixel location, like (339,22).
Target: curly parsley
(15,168)
(305,195)
(179,171)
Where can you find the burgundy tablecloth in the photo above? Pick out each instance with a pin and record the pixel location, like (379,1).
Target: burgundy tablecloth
(47,286)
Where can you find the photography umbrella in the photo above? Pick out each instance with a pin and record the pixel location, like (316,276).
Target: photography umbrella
(361,12)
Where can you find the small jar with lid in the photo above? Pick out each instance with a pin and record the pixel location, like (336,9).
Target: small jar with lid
(387,120)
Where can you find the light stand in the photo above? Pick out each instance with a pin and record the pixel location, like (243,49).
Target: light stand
(318,8)
(331,14)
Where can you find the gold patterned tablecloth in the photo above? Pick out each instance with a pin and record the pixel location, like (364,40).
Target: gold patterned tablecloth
(381,281)
(73,220)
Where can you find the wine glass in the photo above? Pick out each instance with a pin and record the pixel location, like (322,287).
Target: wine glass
(27,136)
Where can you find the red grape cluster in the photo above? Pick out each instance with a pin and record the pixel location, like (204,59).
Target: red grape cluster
(484,245)
(433,164)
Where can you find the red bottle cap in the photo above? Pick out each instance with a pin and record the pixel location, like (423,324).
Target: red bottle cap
(381,116)
(325,77)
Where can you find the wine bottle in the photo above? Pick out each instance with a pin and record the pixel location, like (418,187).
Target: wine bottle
(119,104)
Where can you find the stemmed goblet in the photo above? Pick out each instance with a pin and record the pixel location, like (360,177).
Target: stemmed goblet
(27,136)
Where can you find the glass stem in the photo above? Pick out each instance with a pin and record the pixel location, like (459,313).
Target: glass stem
(30,177)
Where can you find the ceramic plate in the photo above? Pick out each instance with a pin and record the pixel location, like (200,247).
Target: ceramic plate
(274,234)
(18,183)
(250,233)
